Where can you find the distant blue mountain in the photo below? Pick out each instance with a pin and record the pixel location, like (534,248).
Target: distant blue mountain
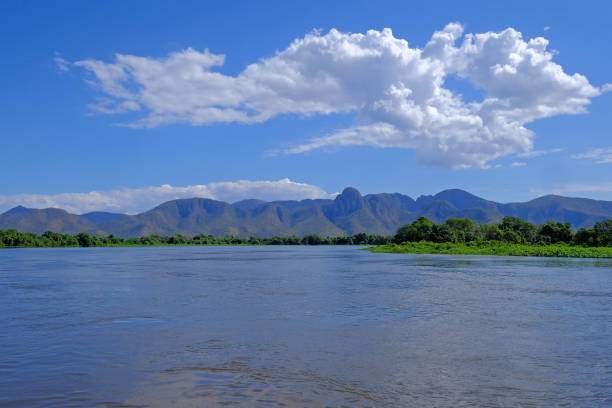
(98,217)
(19,210)
(48,219)
(349,213)
(248,204)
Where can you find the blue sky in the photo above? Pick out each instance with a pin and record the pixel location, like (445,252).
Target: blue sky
(324,114)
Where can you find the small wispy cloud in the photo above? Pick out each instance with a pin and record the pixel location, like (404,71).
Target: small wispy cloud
(575,188)
(599,155)
(62,64)
(518,164)
(106,106)
(547,28)
(538,153)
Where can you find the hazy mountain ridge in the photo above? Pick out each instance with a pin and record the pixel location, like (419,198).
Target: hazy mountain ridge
(98,217)
(349,213)
(48,219)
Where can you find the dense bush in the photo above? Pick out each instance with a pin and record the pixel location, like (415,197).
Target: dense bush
(16,239)
(511,230)
(496,248)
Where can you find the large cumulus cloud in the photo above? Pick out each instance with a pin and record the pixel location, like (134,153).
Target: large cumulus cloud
(396,91)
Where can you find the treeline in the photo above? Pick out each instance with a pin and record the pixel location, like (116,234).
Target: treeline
(15,239)
(511,230)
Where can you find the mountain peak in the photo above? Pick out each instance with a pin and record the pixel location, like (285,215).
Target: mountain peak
(20,210)
(248,204)
(455,191)
(350,192)
(349,200)
(461,199)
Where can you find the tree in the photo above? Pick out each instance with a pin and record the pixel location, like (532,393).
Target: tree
(13,238)
(419,230)
(491,232)
(526,231)
(511,236)
(556,232)
(585,237)
(178,239)
(462,229)
(441,233)
(361,239)
(603,232)
(403,234)
(85,240)
(312,239)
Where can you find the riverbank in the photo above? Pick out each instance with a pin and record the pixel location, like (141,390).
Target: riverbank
(16,239)
(494,248)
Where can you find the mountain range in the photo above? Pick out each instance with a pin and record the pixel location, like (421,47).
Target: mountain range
(349,213)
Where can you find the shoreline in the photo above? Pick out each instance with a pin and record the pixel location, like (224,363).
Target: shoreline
(494,248)
(186,245)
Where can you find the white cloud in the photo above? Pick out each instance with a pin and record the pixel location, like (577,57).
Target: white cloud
(61,64)
(134,200)
(518,164)
(377,134)
(598,155)
(547,28)
(397,92)
(108,106)
(576,188)
(595,188)
(538,153)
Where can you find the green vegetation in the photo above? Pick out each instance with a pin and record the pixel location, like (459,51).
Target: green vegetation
(495,248)
(512,236)
(15,239)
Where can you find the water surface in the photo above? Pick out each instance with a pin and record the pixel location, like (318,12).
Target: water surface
(301,327)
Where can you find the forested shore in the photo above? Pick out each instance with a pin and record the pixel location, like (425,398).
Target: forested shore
(510,230)
(495,248)
(513,236)
(16,239)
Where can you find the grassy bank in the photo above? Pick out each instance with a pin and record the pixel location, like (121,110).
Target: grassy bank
(495,248)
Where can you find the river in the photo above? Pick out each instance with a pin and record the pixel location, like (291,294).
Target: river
(301,327)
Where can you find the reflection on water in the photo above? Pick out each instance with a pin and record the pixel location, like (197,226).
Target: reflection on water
(306,326)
